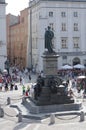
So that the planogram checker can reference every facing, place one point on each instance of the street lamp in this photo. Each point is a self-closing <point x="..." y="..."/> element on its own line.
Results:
<point x="7" y="65"/>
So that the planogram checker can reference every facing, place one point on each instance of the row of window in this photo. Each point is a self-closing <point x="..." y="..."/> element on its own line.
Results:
<point x="63" y="14"/>
<point x="64" y="26"/>
<point x="64" y="42"/>
<point x="65" y="45"/>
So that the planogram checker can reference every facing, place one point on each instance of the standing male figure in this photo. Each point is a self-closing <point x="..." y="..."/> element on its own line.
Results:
<point x="48" y="39"/>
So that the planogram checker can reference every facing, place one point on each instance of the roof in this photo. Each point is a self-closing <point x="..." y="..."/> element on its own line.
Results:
<point x="68" y="0"/>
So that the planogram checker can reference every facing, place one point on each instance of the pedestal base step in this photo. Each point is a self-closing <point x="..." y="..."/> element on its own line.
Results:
<point x="33" y="108"/>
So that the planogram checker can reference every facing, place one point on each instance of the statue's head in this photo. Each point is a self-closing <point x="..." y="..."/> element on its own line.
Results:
<point x="49" y="27"/>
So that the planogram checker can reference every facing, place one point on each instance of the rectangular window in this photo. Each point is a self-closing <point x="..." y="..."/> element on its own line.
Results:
<point x="64" y="42"/>
<point x="50" y="14"/>
<point x="64" y="57"/>
<point x="75" y="26"/>
<point x="63" y="14"/>
<point x="75" y="14"/>
<point x="76" y="42"/>
<point x="63" y="26"/>
<point x="64" y="60"/>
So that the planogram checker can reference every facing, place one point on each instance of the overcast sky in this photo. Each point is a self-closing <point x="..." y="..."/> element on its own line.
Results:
<point x="15" y="6"/>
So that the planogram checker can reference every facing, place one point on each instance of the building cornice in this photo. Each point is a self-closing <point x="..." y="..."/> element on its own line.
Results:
<point x="2" y="3"/>
<point x="79" y="53"/>
<point x="34" y="2"/>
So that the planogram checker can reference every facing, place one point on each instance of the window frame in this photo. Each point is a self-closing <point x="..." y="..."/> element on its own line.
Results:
<point x="75" y="14"/>
<point x="63" y="14"/>
<point x="76" y="27"/>
<point x="51" y="14"/>
<point x="64" y="41"/>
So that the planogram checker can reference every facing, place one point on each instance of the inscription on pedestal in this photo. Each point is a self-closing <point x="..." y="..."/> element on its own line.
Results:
<point x="50" y="64"/>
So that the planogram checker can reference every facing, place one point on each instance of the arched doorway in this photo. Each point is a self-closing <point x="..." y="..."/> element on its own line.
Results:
<point x="76" y="61"/>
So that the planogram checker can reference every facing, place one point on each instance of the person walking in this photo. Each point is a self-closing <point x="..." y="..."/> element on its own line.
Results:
<point x="23" y="89"/>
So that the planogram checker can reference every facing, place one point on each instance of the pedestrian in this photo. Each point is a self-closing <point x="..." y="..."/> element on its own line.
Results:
<point x="6" y="86"/>
<point x="29" y="77"/>
<point x="11" y="86"/>
<point x="0" y="86"/>
<point x="20" y="80"/>
<point x="1" y="81"/>
<point x="23" y="89"/>
<point x="26" y="93"/>
<point x="16" y="87"/>
<point x="28" y="88"/>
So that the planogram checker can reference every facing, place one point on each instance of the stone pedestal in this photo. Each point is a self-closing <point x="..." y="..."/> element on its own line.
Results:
<point x="48" y="98"/>
<point x="47" y="90"/>
<point x="50" y="64"/>
<point x="36" y="109"/>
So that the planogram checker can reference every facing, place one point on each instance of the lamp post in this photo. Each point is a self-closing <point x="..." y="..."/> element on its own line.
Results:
<point x="7" y="65"/>
<point x="31" y="36"/>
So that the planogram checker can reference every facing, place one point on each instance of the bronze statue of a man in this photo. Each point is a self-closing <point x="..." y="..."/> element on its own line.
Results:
<point x="48" y="39"/>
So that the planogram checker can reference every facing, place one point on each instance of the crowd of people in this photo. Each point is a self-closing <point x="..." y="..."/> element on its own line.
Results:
<point x="71" y="73"/>
<point x="8" y="81"/>
<point x="72" y="82"/>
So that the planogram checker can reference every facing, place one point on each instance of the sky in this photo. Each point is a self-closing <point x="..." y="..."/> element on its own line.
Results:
<point x="15" y="6"/>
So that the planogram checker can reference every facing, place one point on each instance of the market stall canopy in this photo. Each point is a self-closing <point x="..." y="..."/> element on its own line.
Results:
<point x="81" y="77"/>
<point x="79" y="66"/>
<point x="4" y="71"/>
<point x="66" y="67"/>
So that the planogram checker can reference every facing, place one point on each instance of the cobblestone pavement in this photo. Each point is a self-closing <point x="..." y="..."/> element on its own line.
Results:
<point x="27" y="124"/>
<point x="10" y="119"/>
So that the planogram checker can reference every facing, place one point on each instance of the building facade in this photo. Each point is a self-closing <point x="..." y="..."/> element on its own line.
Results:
<point x="3" y="43"/>
<point x="17" y="38"/>
<point x="66" y="18"/>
